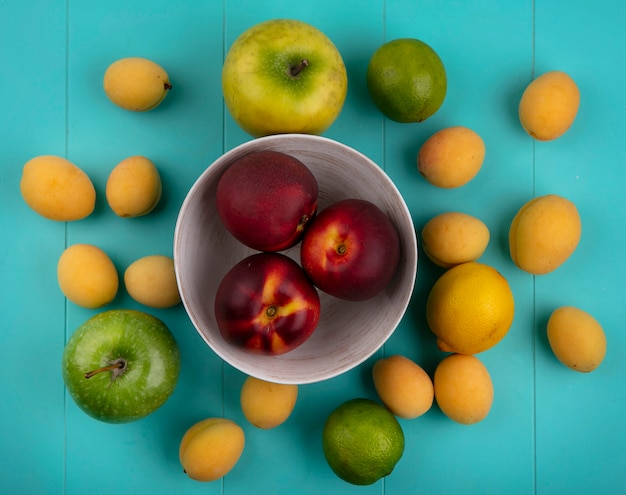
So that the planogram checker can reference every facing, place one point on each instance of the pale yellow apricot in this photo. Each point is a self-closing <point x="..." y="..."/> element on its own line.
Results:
<point x="151" y="281"/>
<point x="451" y="157"/>
<point x="210" y="448"/>
<point x="576" y="338"/>
<point x="452" y="238"/>
<point x="136" y="83"/>
<point x="57" y="189"/>
<point x="87" y="276"/>
<point x="544" y="233"/>
<point x="403" y="386"/>
<point x="266" y="404"/>
<point x="134" y="187"/>
<point x="549" y="105"/>
<point x="463" y="388"/>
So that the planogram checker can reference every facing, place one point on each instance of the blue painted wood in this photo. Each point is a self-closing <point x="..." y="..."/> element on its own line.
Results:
<point x="550" y="431"/>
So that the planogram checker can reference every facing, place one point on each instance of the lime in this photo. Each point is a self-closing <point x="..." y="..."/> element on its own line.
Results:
<point x="406" y="80"/>
<point x="362" y="441"/>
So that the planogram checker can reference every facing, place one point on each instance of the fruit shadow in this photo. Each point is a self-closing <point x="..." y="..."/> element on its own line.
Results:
<point x="542" y="346"/>
<point x="422" y="343"/>
<point x="310" y="414"/>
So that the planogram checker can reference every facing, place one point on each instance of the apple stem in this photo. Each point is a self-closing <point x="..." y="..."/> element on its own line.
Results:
<point x="295" y="70"/>
<point x="167" y="86"/>
<point x="117" y="366"/>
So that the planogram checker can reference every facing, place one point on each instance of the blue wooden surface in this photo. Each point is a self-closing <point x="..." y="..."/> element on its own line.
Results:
<point x="551" y="430"/>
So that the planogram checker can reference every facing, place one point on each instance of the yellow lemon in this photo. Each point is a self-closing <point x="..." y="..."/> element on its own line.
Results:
<point x="470" y="308"/>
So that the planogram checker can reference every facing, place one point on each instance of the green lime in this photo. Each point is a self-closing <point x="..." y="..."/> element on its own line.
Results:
<point x="362" y="441"/>
<point x="406" y="80"/>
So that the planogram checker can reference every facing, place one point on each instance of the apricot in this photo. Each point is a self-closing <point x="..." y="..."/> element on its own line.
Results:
<point x="266" y="404"/>
<point x="151" y="281"/>
<point x="576" y="338"/>
<point x="403" y="386"/>
<point x="452" y="238"/>
<point x="136" y="84"/>
<point x="463" y="388"/>
<point x="549" y="105"/>
<point x="134" y="187"/>
<point x="451" y="157"/>
<point x="544" y="233"/>
<point x="210" y="448"/>
<point x="57" y="189"/>
<point x="87" y="276"/>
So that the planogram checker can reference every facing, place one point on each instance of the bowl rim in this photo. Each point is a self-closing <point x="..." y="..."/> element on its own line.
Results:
<point x="411" y="257"/>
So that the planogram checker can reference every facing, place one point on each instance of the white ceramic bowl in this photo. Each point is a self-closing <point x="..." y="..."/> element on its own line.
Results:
<point x="348" y="332"/>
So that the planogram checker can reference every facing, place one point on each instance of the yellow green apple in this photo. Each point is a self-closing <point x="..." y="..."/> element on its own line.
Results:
<point x="284" y="76"/>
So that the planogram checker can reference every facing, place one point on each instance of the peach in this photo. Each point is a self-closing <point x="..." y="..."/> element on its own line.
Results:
<point x="266" y="304"/>
<point x="266" y="200"/>
<point x="351" y="250"/>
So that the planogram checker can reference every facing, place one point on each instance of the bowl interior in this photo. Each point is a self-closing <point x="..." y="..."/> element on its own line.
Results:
<point x="348" y="332"/>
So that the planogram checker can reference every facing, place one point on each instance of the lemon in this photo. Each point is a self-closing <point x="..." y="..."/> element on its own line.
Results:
<point x="362" y="441"/>
<point x="470" y="308"/>
<point x="407" y="80"/>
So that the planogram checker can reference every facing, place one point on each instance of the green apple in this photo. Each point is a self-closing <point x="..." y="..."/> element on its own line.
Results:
<point x="284" y="76"/>
<point x="121" y="365"/>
